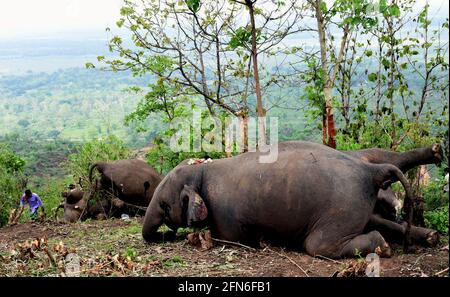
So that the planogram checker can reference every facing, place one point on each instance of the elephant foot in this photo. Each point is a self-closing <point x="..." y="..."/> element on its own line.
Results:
<point x="385" y="251"/>
<point x="424" y="236"/>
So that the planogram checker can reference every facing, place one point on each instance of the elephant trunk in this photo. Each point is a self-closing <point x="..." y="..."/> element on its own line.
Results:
<point x="152" y="221"/>
<point x="389" y="174"/>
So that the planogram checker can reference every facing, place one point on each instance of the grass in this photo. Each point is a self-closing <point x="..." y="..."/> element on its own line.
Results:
<point x="175" y="261"/>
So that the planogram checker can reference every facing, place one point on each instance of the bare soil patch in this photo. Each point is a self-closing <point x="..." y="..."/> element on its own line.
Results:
<point x="116" y="248"/>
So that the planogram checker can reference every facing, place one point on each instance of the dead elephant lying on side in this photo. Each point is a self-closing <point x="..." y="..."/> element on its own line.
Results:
<point x="313" y="197"/>
<point x="77" y="206"/>
<point x="125" y="186"/>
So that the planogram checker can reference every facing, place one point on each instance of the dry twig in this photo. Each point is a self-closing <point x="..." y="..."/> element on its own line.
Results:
<point x="292" y="261"/>
<point x="233" y="243"/>
<point x="329" y="259"/>
<point x="441" y="272"/>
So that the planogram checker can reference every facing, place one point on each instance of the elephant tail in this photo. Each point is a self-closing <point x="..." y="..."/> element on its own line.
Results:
<point x="387" y="175"/>
<point x="91" y="171"/>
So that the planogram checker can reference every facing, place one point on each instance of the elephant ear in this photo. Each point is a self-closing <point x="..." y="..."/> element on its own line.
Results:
<point x="196" y="210"/>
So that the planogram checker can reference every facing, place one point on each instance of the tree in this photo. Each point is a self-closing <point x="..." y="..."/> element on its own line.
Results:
<point x="198" y="50"/>
<point x="351" y="15"/>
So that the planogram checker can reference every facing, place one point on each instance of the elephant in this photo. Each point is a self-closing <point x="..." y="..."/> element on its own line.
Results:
<point x="312" y="197"/>
<point x="132" y="181"/>
<point x="77" y="207"/>
<point x="388" y="204"/>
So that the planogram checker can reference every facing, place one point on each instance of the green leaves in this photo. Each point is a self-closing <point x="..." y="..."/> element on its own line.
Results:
<point x="126" y="10"/>
<point x="9" y="161"/>
<point x="241" y="37"/>
<point x="385" y="62"/>
<point x="11" y="178"/>
<point x="193" y="5"/>
<point x="372" y="77"/>
<point x="323" y="6"/>
<point x="120" y="22"/>
<point x="159" y="64"/>
<point x="392" y="10"/>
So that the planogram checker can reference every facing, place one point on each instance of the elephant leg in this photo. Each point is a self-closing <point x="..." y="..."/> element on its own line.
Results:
<point x="395" y="232"/>
<point x="317" y="243"/>
<point x="366" y="244"/>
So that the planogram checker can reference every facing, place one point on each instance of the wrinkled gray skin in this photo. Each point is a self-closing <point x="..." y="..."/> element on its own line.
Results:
<point x="132" y="181"/>
<point x="394" y="232"/>
<point x="313" y="197"/>
<point x="388" y="205"/>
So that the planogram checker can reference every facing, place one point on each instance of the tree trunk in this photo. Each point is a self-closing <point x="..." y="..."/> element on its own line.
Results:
<point x="260" y="108"/>
<point x="419" y="203"/>
<point x="324" y="125"/>
<point x="329" y="132"/>
<point x="243" y="125"/>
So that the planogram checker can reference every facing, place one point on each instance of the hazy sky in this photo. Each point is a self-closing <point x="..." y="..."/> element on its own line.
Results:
<point x="44" y="18"/>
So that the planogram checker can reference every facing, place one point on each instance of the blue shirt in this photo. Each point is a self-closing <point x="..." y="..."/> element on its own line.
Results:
<point x="34" y="201"/>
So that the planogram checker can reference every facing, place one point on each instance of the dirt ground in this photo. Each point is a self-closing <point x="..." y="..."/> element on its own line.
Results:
<point x="116" y="248"/>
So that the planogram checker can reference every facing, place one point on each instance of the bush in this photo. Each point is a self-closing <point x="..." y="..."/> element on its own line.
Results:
<point x="11" y="182"/>
<point x="110" y="149"/>
<point x="436" y="204"/>
<point x="50" y="194"/>
<point x="437" y="219"/>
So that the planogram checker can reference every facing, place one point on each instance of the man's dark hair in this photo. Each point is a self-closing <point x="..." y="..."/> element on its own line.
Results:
<point x="28" y="192"/>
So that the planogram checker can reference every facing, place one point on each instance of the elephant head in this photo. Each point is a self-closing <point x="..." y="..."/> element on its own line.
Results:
<point x="73" y="196"/>
<point x="72" y="211"/>
<point x="176" y="202"/>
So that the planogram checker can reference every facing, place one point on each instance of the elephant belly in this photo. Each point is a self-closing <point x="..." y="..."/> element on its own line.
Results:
<point x="286" y="201"/>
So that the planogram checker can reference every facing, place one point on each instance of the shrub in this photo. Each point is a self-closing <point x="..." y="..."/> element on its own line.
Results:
<point x="109" y="149"/>
<point x="50" y="194"/>
<point x="11" y="181"/>
<point x="436" y="204"/>
<point x="437" y="219"/>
